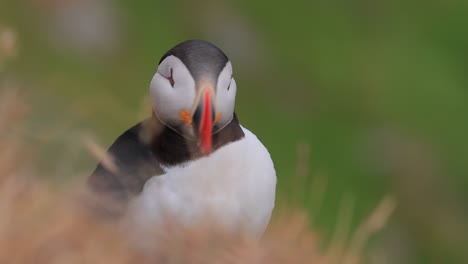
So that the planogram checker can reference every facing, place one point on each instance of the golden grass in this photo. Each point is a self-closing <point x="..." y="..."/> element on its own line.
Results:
<point x="41" y="224"/>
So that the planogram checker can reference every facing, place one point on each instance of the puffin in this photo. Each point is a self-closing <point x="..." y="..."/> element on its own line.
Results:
<point x="191" y="158"/>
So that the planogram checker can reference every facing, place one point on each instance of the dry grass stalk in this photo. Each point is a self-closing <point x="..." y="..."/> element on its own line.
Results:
<point x="8" y="43"/>
<point x="373" y="223"/>
<point x="338" y="241"/>
<point x="100" y="154"/>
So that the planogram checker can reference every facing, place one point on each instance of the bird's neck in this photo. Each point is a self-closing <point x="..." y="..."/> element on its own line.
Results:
<point x="171" y="148"/>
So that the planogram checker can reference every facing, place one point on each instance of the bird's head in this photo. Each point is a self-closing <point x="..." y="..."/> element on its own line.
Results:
<point x="193" y="91"/>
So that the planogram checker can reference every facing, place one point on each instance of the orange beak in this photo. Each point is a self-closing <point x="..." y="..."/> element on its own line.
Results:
<point x="203" y="118"/>
<point x="206" y="124"/>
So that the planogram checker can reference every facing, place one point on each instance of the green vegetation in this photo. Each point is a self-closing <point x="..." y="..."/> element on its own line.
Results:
<point x="373" y="93"/>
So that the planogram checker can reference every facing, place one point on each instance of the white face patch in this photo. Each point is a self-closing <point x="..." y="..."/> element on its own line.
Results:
<point x="173" y="90"/>
<point x="168" y="101"/>
<point x="225" y="96"/>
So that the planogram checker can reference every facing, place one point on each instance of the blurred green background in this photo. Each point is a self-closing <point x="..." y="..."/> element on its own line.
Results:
<point x="354" y="99"/>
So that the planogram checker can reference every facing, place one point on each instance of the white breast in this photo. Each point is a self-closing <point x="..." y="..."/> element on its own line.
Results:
<point x="235" y="186"/>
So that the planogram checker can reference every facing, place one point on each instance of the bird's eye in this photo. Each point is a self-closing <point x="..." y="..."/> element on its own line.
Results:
<point x="171" y="79"/>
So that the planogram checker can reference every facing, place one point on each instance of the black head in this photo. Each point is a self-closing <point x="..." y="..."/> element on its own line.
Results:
<point x="200" y="57"/>
<point x="193" y="91"/>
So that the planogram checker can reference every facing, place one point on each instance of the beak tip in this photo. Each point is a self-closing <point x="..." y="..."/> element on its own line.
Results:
<point x="205" y="147"/>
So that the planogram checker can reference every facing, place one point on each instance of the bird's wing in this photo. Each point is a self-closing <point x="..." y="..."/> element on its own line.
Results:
<point x="134" y="164"/>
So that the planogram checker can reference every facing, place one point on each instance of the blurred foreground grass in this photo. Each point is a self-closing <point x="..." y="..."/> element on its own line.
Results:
<point x="43" y="223"/>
